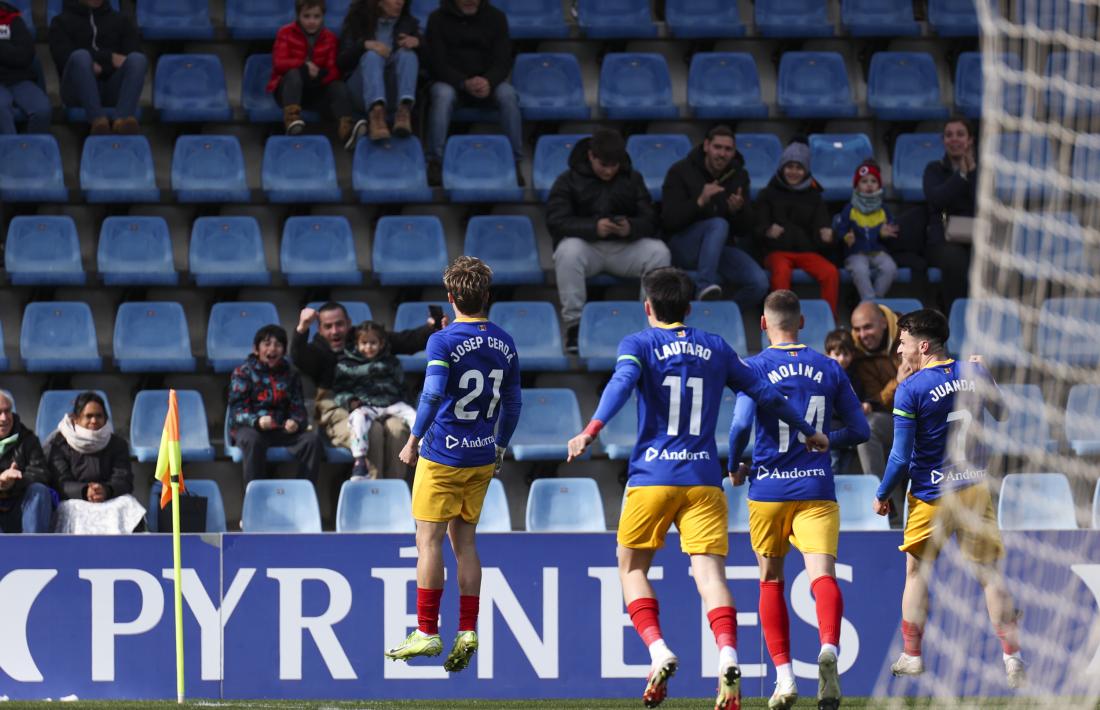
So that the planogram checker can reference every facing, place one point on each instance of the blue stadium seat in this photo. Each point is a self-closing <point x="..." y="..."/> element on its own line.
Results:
<point x="480" y="169"/>
<point x="43" y="251"/>
<point x="336" y="11"/>
<point x="507" y="244"/>
<point x="190" y="87"/>
<point x="1069" y="331"/>
<point x="209" y="169"/>
<point x="230" y="330"/>
<point x="603" y="325"/>
<point x="257" y="103"/>
<point x="725" y="421"/>
<point x="422" y="9"/>
<point x="615" y="19"/>
<point x="879" y="18"/>
<point x="1026" y="428"/>
<point x="275" y="454"/>
<point x="621" y="433"/>
<point x="152" y="336"/>
<point x="550" y="418"/>
<point x="118" y="169"/>
<point x="136" y="251"/>
<point x="703" y="19"/>
<point x="202" y="487"/>
<point x="653" y="154"/>
<point x="413" y="314"/>
<point x="280" y="506"/>
<point x="550" y="87"/>
<point x="30" y="169"/>
<point x="147" y="423"/>
<point x="358" y="311"/>
<point x="495" y="516"/>
<point x="299" y="169"/>
<point x="761" y="152"/>
<point x="381" y="505"/>
<point x="725" y="85"/>
<point x="792" y="18"/>
<point x="409" y="250"/>
<point x="1036" y="501"/>
<point x="1021" y="157"/>
<point x="834" y="158"/>
<point x="901" y="306"/>
<point x="1082" y="414"/>
<point x="552" y="159"/>
<point x="953" y="18"/>
<point x="59" y="336"/>
<point x="227" y="251"/>
<point x="635" y="85"/>
<point x="912" y="154"/>
<point x="174" y="19"/>
<point x="54" y="404"/>
<point x="968" y="85"/>
<point x="814" y="85"/>
<point x="257" y="19"/>
<point x="998" y="318"/>
<point x="721" y="317"/>
<point x="390" y="171"/>
<point x="853" y="494"/>
<point x="565" y="505"/>
<point x="1086" y="159"/>
<point x="529" y="19"/>
<point x="319" y="251"/>
<point x="904" y="86"/>
<point x="819" y="321"/>
<point x="1049" y="245"/>
<point x="1067" y="15"/>
<point x="737" y="505"/>
<point x="1081" y="68"/>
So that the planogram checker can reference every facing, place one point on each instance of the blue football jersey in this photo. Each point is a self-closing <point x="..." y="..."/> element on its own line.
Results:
<point x="482" y="369"/>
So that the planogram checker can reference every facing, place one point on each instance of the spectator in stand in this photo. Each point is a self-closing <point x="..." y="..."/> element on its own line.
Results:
<point x="602" y="219"/>
<point x="318" y="359"/>
<point x="864" y="223"/>
<point x="469" y="56"/>
<point x="266" y="408"/>
<point x="705" y="210"/>
<point x="792" y="225"/>
<point x="96" y="52"/>
<point x="18" y="77"/>
<point x="26" y="504"/>
<point x="94" y="478"/>
<point x="378" y="54"/>
<point x="304" y="73"/>
<point x="950" y="188"/>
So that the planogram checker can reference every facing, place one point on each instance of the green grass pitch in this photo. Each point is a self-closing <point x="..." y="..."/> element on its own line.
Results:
<point x="556" y="704"/>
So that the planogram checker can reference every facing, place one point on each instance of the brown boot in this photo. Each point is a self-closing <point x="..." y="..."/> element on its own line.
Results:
<point x="127" y="126"/>
<point x="292" y="119"/>
<point x="351" y="131"/>
<point x="402" y="121"/>
<point x="101" y="126"/>
<point x="378" y="129"/>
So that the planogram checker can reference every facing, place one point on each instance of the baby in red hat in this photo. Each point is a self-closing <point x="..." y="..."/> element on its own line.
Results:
<point x="864" y="222"/>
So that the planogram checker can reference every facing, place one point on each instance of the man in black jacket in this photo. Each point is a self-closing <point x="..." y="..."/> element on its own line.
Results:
<point x="705" y="208"/>
<point x="469" y="57"/>
<point x="95" y="49"/>
<point x="18" y="78"/>
<point x="25" y="501"/>
<point x="602" y="220"/>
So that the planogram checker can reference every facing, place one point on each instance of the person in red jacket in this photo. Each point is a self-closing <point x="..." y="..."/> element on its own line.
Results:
<point x="304" y="72"/>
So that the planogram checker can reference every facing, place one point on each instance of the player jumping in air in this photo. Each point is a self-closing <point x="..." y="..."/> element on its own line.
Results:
<point x="471" y="382"/>
<point x="675" y="475"/>
<point x="791" y="492"/>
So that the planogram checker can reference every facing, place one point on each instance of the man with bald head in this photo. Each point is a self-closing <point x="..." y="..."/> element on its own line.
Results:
<point x="25" y="501"/>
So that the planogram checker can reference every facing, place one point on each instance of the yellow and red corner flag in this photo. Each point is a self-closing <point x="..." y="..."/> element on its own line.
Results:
<point x="169" y="460"/>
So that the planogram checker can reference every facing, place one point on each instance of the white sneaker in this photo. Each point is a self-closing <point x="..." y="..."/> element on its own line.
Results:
<point x="656" y="683"/>
<point x="784" y="695"/>
<point x="908" y="665"/>
<point x="1017" y="674"/>
<point x="828" y="682"/>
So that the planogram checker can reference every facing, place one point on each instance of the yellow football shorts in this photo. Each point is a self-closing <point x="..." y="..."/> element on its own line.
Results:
<point x="442" y="493"/>
<point x="698" y="511"/>
<point x="813" y="526"/>
<point x="967" y="514"/>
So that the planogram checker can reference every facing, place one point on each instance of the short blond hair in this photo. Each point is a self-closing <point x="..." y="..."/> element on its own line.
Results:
<point x="468" y="279"/>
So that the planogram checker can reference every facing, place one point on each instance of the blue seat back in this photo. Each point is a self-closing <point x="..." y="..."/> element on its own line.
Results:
<point x="413" y="314"/>
<point x="190" y="87"/>
<point x="565" y="505"/>
<point x="903" y="80"/>
<point x="58" y="336"/>
<point x="43" y="249"/>
<point x="381" y="505"/>
<point x="635" y="84"/>
<point x="409" y="249"/>
<point x="54" y="404"/>
<point x="174" y="19"/>
<point x="1069" y="331"/>
<point x="761" y="152"/>
<point x="299" y="164"/>
<point x="727" y="80"/>
<point x="1026" y="428"/>
<point x="549" y="85"/>
<point x="211" y="166"/>
<point x="390" y="170"/>
<point x="615" y="18"/>
<point x="257" y="19"/>
<point x="533" y="326"/>
<point x="1072" y="17"/>
<point x="495" y="516"/>
<point x="603" y="325"/>
<point x="1050" y="244"/>
<point x="953" y="18"/>
<point x="117" y="164"/>
<point x="703" y="18"/>
<point x="997" y="318"/>
<point x="813" y="79"/>
<point x="901" y="306"/>
<point x="319" y="250"/>
<point x="478" y="162"/>
<point x="853" y="494"/>
<point x="152" y="336"/>
<point x="1021" y="157"/>
<point x="231" y="329"/>
<point x="227" y="250"/>
<point x="1077" y="67"/>
<point x="550" y="416"/>
<point x="621" y="433"/>
<point x="255" y="100"/>
<point x="1036" y="501"/>
<point x="133" y="248"/>
<point x="721" y="317"/>
<point x="834" y="158"/>
<point x="653" y="154"/>
<point x="792" y="18"/>
<point x="912" y="154"/>
<point x="737" y="504"/>
<point x="507" y="244"/>
<point x="529" y="19"/>
<point x="147" y="423"/>
<point x="819" y="321"/>
<point x="552" y="159"/>
<point x="30" y="168"/>
<point x="1086" y="158"/>
<point x="890" y="14"/>
<point x="280" y="506"/>
<point x="1082" y="415"/>
<point x="202" y="487"/>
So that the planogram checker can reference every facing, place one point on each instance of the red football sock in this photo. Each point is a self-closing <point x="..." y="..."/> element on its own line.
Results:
<point x="1009" y="634"/>
<point x="427" y="610"/>
<point x="723" y="622"/>
<point x="468" y="606"/>
<point x="911" y="636"/>
<point x="830" y="608"/>
<point x="777" y="626"/>
<point x="643" y="612"/>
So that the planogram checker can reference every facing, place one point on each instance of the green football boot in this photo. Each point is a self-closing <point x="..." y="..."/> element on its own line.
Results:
<point x="463" y="649"/>
<point x="416" y="644"/>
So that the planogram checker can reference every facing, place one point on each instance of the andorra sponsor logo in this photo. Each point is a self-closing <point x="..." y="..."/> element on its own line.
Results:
<point x="765" y="472"/>
<point x="652" y="454"/>
<point x="465" y="443"/>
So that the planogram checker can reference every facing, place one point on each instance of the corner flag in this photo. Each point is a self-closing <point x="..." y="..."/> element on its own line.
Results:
<point x="169" y="461"/>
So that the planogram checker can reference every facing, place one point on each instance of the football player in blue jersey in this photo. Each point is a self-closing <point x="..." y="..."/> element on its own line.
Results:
<point x="791" y="494"/>
<point x="936" y="401"/>
<point x="468" y="410"/>
<point x="674" y="472"/>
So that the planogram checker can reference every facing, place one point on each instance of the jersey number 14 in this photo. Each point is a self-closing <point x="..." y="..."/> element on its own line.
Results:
<point x="815" y="417"/>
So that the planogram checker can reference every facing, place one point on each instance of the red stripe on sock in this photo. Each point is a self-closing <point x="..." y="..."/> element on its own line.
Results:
<point x="468" y="606"/>
<point x="777" y="626"/>
<point x="1009" y="634"/>
<point x="830" y="608"/>
<point x="911" y="635"/>
<point x="643" y="612"/>
<point x="723" y="622"/>
<point x="427" y="609"/>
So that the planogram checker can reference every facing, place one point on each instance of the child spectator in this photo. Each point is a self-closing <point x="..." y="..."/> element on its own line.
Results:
<point x="840" y="346"/>
<point x="862" y="223"/>
<point x="370" y="384"/>
<point x="304" y="73"/>
<point x="792" y="225"/>
<point x="18" y="78"/>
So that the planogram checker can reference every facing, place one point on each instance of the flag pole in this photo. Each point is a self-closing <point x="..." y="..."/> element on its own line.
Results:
<point x="178" y="585"/>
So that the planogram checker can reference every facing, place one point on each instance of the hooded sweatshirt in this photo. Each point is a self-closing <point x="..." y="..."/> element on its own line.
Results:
<point x="799" y="209"/>
<point x="877" y="371"/>
<point x="101" y="31"/>
<point x="16" y="47"/>
<point x="459" y="46"/>
<point x="684" y="183"/>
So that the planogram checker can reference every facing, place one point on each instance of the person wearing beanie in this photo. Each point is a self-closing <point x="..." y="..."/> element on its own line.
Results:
<point x="863" y="222"/>
<point x="792" y="225"/>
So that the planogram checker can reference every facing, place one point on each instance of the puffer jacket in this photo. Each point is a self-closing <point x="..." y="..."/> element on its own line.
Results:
<point x="377" y="383"/>
<point x="109" y="466"/>
<point x="801" y="214"/>
<point x="684" y="183"/>
<point x="255" y="391"/>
